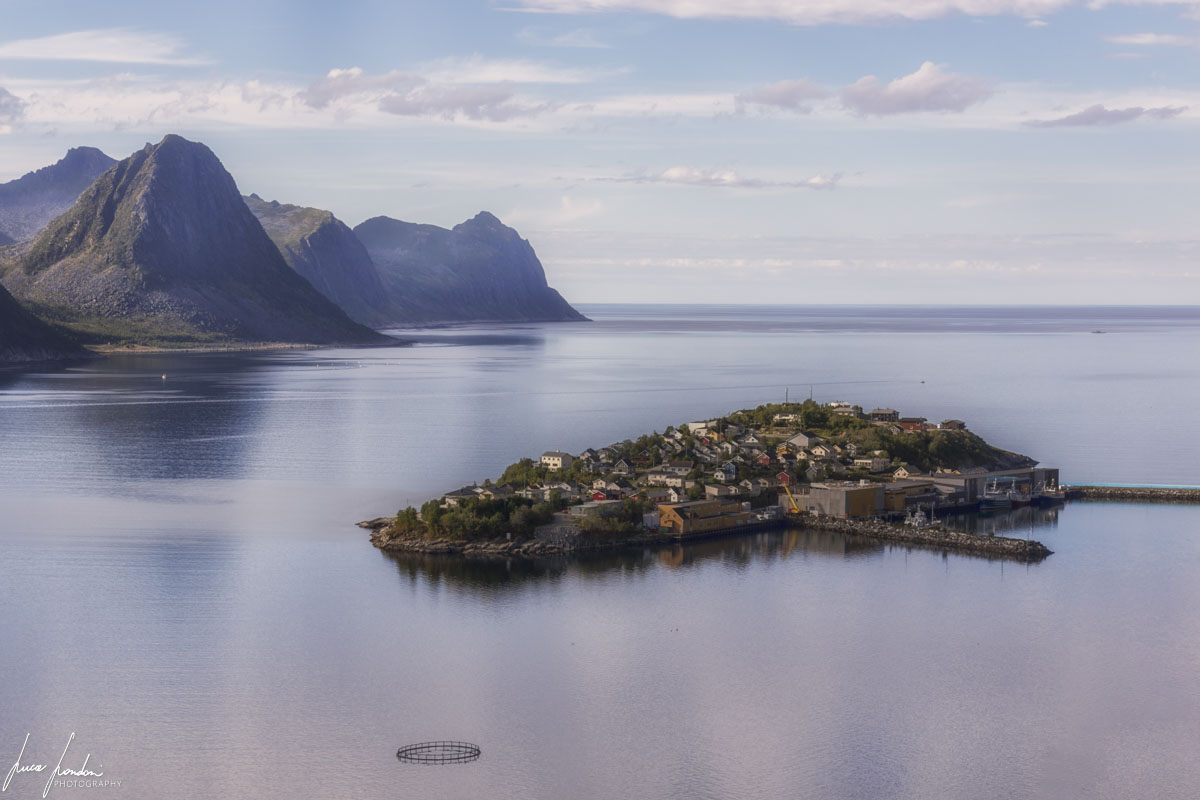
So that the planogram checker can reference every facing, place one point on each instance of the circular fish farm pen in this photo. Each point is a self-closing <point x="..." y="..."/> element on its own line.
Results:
<point x="438" y="753"/>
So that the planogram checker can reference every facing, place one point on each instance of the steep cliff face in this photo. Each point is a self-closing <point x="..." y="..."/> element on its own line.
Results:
<point x="163" y="248"/>
<point x="322" y="249"/>
<point x="24" y="337"/>
<point x="28" y="203"/>
<point x="479" y="270"/>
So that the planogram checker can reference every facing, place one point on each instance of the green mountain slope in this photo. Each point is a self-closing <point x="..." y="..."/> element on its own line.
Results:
<point x="24" y="337"/>
<point x="322" y="249"/>
<point x="162" y="249"/>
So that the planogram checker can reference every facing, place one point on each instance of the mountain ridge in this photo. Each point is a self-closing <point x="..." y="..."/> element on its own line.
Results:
<point x="161" y="247"/>
<point x="325" y="251"/>
<point x="479" y="270"/>
<point x="30" y="202"/>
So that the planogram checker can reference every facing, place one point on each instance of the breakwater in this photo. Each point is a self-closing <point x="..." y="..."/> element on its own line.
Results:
<point x="1018" y="549"/>
<point x="1157" y="494"/>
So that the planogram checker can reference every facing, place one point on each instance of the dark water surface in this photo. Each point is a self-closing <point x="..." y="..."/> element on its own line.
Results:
<point x="182" y="585"/>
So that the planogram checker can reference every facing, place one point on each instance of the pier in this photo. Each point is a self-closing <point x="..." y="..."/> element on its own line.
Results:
<point x="1146" y="494"/>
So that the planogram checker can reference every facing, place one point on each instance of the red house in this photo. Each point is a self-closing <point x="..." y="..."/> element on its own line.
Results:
<point x="784" y="478"/>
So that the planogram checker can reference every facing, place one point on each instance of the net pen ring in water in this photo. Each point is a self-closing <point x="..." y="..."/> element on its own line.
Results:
<point x="441" y="752"/>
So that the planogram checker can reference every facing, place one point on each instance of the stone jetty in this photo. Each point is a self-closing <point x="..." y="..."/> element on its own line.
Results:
<point x="1158" y="494"/>
<point x="1019" y="549"/>
<point x="1134" y="493"/>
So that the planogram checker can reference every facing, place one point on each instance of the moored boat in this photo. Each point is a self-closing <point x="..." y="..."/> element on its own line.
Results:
<point x="1048" y="494"/>
<point x="995" y="496"/>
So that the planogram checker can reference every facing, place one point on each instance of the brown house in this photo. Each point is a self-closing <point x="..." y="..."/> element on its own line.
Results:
<point x="702" y="516"/>
<point x="845" y="499"/>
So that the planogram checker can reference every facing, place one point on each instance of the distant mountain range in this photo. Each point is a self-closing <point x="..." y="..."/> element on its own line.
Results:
<point x="28" y="203"/>
<point x="321" y="248"/>
<point x="162" y="249"/>
<point x="479" y="270"/>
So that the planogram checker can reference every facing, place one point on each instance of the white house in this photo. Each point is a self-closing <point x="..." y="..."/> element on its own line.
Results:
<point x="555" y="460"/>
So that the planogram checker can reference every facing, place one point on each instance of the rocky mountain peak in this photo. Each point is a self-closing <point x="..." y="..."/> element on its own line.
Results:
<point x="164" y="241"/>
<point x="28" y="203"/>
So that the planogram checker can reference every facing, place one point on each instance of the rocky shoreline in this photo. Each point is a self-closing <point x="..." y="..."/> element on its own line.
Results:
<point x="385" y="539"/>
<point x="1020" y="549"/>
<point x="1158" y="494"/>
<point x="938" y="538"/>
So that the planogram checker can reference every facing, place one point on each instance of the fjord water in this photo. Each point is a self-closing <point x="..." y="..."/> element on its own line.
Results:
<point x="184" y="589"/>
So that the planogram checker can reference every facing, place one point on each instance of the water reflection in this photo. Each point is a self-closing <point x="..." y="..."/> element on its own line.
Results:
<point x="497" y="574"/>
<point x="1017" y="523"/>
<point x="492" y="575"/>
<point x="472" y="337"/>
<point x="146" y="417"/>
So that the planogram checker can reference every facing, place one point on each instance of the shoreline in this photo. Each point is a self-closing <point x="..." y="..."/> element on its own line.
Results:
<point x="235" y="347"/>
<point x="1023" y="550"/>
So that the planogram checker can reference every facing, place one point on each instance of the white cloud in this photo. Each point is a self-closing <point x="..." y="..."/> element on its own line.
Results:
<point x="567" y="211"/>
<point x="820" y="12"/>
<point x="792" y="95"/>
<point x="927" y="89"/>
<point x="405" y="94"/>
<point x="116" y="45"/>
<point x="354" y="99"/>
<point x="477" y="69"/>
<point x="1152" y="40"/>
<point x="725" y="178"/>
<point x="341" y="83"/>
<point x="1098" y="115"/>
<point x="1036" y="23"/>
<point x="493" y="103"/>
<point x="12" y="108"/>
<point x="578" y="38"/>
<point x="1072" y="268"/>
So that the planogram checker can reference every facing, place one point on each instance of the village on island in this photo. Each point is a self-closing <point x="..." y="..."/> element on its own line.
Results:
<point x="775" y="464"/>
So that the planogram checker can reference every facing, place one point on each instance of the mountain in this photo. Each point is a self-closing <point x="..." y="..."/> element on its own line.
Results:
<point x="31" y="201"/>
<point x="162" y="248"/>
<point x="326" y="252"/>
<point x="479" y="270"/>
<point x="24" y="337"/>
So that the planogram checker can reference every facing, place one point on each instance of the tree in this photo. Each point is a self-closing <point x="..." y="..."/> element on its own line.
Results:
<point x="407" y="521"/>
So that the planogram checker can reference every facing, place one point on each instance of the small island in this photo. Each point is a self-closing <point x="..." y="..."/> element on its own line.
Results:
<point x="832" y="466"/>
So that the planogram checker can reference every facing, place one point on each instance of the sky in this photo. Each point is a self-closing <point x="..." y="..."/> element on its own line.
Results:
<point x="677" y="151"/>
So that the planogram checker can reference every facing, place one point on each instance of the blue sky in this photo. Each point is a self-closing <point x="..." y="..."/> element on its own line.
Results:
<point x="830" y="151"/>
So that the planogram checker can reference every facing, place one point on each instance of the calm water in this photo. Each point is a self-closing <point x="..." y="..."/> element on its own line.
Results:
<point x="184" y="589"/>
